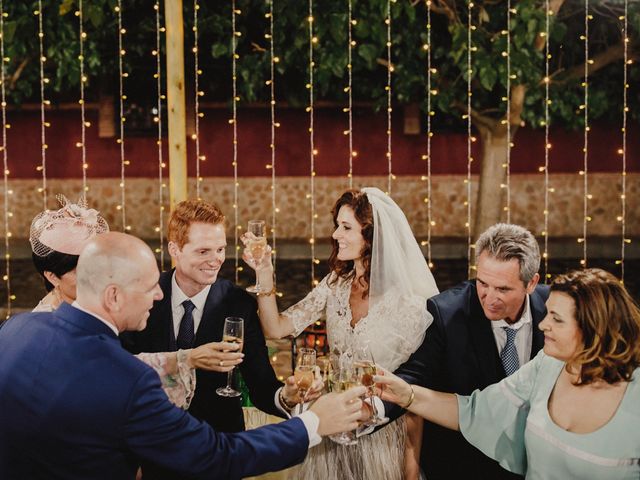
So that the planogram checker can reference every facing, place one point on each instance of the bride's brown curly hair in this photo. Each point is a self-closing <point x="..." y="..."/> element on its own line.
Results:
<point x="363" y="212"/>
<point x="610" y="323"/>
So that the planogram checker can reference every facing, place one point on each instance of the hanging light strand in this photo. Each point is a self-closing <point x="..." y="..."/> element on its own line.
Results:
<point x="349" y="89"/>
<point x="43" y="122"/>
<point x="507" y="120"/>
<point x="430" y="113"/>
<point x="623" y="152"/>
<point x="389" y="96"/>
<point x="158" y="120"/>
<point x="234" y="122"/>
<point x="5" y="163"/>
<point x="122" y="97"/>
<point x="272" y="146"/>
<point x="585" y="109"/>
<point x="313" y="152"/>
<point x="547" y="145"/>
<point x="83" y="122"/>
<point x="469" y="138"/>
<point x="196" y="98"/>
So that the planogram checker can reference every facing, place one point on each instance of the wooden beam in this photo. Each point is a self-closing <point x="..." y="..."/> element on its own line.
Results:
<point x="177" y="140"/>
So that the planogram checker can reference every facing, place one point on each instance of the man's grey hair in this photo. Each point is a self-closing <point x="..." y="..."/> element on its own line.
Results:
<point x="504" y="241"/>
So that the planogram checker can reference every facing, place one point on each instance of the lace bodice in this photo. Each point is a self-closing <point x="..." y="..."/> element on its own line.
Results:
<point x="394" y="327"/>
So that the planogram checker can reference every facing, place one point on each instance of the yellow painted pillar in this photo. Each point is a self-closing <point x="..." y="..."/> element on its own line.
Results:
<point x="177" y="139"/>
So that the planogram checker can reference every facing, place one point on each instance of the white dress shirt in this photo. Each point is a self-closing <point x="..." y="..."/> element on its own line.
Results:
<point x="523" y="338"/>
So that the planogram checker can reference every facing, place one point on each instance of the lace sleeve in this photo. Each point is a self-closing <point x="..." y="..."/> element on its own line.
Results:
<point x="396" y="327"/>
<point x="179" y="386"/>
<point x="310" y="308"/>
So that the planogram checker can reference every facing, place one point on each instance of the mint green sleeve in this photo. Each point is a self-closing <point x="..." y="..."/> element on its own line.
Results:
<point x="494" y="419"/>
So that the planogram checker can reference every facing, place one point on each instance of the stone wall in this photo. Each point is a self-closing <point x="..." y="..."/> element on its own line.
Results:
<point x="293" y="218"/>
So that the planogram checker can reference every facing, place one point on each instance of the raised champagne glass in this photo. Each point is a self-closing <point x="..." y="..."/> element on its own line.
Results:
<point x="257" y="246"/>
<point x="304" y="373"/>
<point x="233" y="332"/>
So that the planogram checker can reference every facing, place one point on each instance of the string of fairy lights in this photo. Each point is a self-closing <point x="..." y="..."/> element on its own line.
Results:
<point x="158" y="120"/>
<point x="623" y="151"/>
<point x="273" y="59"/>
<point x="467" y="116"/>
<point x="196" y="97"/>
<point x="427" y="157"/>
<point x="507" y="119"/>
<point x="547" y="144"/>
<point x="387" y="21"/>
<point x="313" y="40"/>
<point x="235" y="34"/>
<point x="5" y="164"/>
<point x="122" y="207"/>
<point x="82" y="145"/>
<point x="44" y="124"/>
<point x="349" y="88"/>
<point x="585" y="149"/>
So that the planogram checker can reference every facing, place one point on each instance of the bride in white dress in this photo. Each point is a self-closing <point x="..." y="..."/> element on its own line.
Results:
<point x="375" y="294"/>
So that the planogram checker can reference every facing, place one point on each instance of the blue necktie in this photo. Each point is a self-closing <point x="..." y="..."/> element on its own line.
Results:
<point x="185" y="333"/>
<point x="509" y="354"/>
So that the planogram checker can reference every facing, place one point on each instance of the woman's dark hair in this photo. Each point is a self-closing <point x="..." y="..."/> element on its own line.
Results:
<point x="609" y="320"/>
<point x="358" y="202"/>
<point x="56" y="263"/>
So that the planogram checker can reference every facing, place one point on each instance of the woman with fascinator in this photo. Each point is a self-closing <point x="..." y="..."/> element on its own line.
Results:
<point x="375" y="295"/>
<point x="57" y="237"/>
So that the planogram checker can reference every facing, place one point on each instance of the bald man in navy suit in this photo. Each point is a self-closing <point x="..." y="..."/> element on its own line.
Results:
<point x="75" y="405"/>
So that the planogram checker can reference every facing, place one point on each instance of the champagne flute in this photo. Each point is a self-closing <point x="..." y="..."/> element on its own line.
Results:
<point x="341" y="381"/>
<point x="233" y="332"/>
<point x="257" y="246"/>
<point x="365" y="366"/>
<point x="305" y="372"/>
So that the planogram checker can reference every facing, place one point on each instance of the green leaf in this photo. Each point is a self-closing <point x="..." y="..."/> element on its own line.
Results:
<point x="369" y="53"/>
<point x="219" y="50"/>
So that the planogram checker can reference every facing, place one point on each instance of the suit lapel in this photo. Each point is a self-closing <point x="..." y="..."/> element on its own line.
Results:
<point x="484" y="342"/>
<point x="212" y="322"/>
<point x="163" y="315"/>
<point x="538" y="312"/>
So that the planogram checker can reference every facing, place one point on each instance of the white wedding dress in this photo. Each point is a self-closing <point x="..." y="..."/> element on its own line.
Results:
<point x="394" y="328"/>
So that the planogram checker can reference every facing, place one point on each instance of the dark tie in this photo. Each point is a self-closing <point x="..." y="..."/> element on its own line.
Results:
<point x="185" y="332"/>
<point x="509" y="354"/>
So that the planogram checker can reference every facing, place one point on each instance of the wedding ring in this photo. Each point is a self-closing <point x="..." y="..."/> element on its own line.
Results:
<point x="222" y="363"/>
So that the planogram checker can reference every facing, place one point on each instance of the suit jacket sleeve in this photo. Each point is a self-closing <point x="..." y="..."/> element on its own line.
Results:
<point x="424" y="367"/>
<point x="256" y="369"/>
<point x="157" y="431"/>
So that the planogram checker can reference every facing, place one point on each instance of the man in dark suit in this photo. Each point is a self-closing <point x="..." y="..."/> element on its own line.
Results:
<point x="197" y="243"/>
<point x="482" y="330"/>
<point x="75" y="405"/>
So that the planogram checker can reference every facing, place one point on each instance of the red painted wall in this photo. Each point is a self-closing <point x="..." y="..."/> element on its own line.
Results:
<point x="292" y="147"/>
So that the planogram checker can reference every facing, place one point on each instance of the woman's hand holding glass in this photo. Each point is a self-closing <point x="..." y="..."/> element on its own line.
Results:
<point x="257" y="254"/>
<point x="293" y="395"/>
<point x="216" y="356"/>
<point x="305" y="373"/>
<point x="392" y="388"/>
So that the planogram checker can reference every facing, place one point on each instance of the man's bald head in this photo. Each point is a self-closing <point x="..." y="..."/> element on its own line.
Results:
<point x="112" y="258"/>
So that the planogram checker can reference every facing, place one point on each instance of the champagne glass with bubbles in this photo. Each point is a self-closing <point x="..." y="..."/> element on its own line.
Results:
<point x="304" y="373"/>
<point x="257" y="246"/>
<point x="365" y="367"/>
<point x="233" y="332"/>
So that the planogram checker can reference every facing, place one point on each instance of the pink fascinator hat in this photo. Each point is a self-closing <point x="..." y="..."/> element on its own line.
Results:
<point x="66" y="230"/>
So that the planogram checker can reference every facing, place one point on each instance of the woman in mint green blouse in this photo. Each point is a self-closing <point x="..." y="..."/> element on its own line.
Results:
<point x="571" y="412"/>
